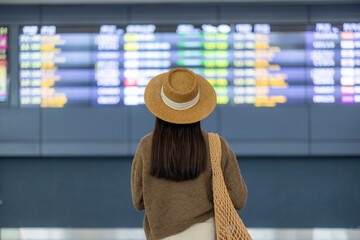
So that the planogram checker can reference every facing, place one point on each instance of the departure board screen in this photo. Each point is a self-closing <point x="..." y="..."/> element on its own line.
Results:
<point x="261" y="65"/>
<point x="334" y="63"/>
<point x="3" y="63"/>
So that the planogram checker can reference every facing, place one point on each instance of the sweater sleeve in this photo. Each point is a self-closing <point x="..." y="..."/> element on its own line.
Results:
<point x="136" y="180"/>
<point x="234" y="182"/>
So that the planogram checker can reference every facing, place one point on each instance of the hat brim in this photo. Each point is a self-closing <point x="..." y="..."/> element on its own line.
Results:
<point x="199" y="111"/>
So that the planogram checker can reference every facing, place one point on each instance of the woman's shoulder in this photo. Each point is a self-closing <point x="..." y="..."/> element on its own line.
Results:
<point x="144" y="144"/>
<point x="146" y="140"/>
<point x="206" y="135"/>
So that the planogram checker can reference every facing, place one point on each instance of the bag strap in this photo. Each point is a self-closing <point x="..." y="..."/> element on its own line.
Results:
<point x="215" y="151"/>
<point x="229" y="225"/>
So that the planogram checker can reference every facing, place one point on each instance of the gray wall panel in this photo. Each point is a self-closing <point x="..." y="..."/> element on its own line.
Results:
<point x="246" y="148"/>
<point x="283" y="192"/>
<point x="85" y="149"/>
<point x="87" y="124"/>
<point x="248" y="123"/>
<point x="87" y="188"/>
<point x="263" y="13"/>
<point x="168" y="14"/>
<point x="335" y="148"/>
<point x="142" y="122"/>
<point x="20" y="14"/>
<point x="335" y="13"/>
<point x="25" y="149"/>
<point x="211" y="123"/>
<point x="20" y="124"/>
<point x="335" y="122"/>
<point x="85" y="14"/>
<point x="27" y="187"/>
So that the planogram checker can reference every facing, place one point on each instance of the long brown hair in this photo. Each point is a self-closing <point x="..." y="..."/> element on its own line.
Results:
<point x="178" y="151"/>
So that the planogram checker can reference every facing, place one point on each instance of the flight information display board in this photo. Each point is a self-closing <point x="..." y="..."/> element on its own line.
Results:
<point x="334" y="63"/>
<point x="3" y="63"/>
<point x="258" y="65"/>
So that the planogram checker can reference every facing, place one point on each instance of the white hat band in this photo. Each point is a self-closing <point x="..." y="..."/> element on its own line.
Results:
<point x="179" y="106"/>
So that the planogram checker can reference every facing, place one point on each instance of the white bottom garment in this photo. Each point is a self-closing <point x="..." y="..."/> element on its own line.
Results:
<point x="198" y="231"/>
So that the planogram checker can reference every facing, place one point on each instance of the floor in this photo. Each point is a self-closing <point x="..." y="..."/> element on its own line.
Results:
<point x="138" y="234"/>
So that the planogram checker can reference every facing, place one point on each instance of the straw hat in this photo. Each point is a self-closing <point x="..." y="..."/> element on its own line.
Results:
<point x="180" y="96"/>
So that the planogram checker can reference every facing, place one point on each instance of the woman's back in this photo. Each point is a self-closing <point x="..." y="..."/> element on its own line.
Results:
<point x="171" y="206"/>
<point x="171" y="174"/>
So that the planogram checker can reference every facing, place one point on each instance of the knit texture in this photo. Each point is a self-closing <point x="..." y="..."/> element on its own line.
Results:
<point x="229" y="225"/>
<point x="171" y="207"/>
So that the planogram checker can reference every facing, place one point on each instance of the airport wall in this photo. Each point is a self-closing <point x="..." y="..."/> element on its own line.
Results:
<point x="71" y="167"/>
<point x="283" y="192"/>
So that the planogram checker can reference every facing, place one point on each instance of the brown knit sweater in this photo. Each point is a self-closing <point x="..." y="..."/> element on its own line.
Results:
<point x="170" y="206"/>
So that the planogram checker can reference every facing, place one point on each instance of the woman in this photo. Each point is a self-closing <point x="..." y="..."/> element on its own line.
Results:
<point x="171" y="172"/>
